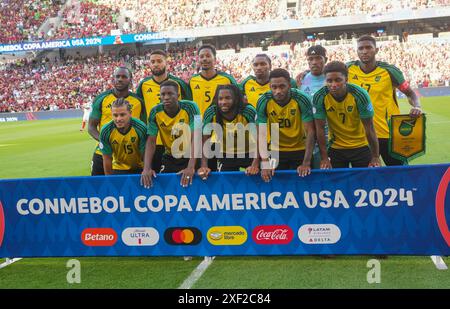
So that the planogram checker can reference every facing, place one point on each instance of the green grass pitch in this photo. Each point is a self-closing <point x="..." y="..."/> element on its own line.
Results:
<point x="57" y="148"/>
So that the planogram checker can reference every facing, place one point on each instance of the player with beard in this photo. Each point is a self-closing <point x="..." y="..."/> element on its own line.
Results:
<point x="101" y="111"/>
<point x="149" y="91"/>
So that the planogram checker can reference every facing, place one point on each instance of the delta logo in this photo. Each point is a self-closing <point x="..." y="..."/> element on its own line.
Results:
<point x="183" y="236"/>
<point x="319" y="234"/>
<point x="140" y="236"/>
<point x="99" y="237"/>
<point x="272" y="235"/>
<point x="227" y="235"/>
<point x="2" y="224"/>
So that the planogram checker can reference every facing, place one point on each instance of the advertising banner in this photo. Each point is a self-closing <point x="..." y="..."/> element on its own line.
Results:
<point x="390" y="210"/>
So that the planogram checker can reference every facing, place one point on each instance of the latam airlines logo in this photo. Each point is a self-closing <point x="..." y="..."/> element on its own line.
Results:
<point x="272" y="235"/>
<point x="319" y="234"/>
<point x="183" y="236"/>
<point x="99" y="237"/>
<point x="140" y="236"/>
<point x="227" y="235"/>
<point x="2" y="224"/>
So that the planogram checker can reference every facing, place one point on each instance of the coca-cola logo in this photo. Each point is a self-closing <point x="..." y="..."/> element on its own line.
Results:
<point x="272" y="235"/>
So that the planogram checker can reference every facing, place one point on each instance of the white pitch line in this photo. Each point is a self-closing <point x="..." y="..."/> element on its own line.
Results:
<point x="9" y="262"/>
<point x="439" y="262"/>
<point x="197" y="273"/>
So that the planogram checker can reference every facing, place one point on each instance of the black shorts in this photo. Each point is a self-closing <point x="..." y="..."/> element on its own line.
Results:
<point x="170" y="164"/>
<point x="357" y="157"/>
<point x="157" y="157"/>
<point x="97" y="165"/>
<point x="384" y="152"/>
<point x="290" y="160"/>
<point x="233" y="164"/>
<point x="127" y="172"/>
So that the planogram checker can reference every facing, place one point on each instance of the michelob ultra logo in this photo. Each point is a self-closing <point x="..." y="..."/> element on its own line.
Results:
<point x="183" y="236"/>
<point x="2" y="224"/>
<point x="227" y="235"/>
<point x="140" y="236"/>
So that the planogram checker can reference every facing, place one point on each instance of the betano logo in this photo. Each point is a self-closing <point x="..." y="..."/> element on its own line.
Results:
<point x="99" y="237"/>
<point x="2" y="224"/>
<point x="183" y="236"/>
<point x="140" y="236"/>
<point x="227" y="235"/>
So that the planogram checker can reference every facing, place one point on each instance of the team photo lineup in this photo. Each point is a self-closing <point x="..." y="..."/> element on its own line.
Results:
<point x="218" y="144"/>
<point x="357" y="119"/>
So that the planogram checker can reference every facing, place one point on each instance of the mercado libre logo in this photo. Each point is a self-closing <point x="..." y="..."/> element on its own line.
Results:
<point x="440" y="206"/>
<point x="2" y="224"/>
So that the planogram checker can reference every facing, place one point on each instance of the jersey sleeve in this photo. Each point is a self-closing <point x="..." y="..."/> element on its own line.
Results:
<point x="363" y="102"/>
<point x="141" y="131"/>
<point x="193" y="112"/>
<point x="96" y="112"/>
<point x="208" y="117"/>
<point x="293" y="83"/>
<point x="139" y="90"/>
<point x="152" y="127"/>
<point x="186" y="93"/>
<point x="396" y="75"/>
<point x="261" y="108"/>
<point x="305" y="105"/>
<point x="105" y="145"/>
<point x="249" y="113"/>
<point x="318" y="103"/>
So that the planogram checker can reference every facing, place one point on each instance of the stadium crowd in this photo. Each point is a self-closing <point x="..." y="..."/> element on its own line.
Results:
<point x="84" y="18"/>
<point x="70" y="83"/>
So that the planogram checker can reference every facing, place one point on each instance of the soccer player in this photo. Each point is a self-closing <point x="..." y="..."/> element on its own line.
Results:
<point x="380" y="79"/>
<point x="254" y="86"/>
<point x="233" y="116"/>
<point x="174" y="120"/>
<point x="203" y="85"/>
<point x="291" y="110"/>
<point x="122" y="141"/>
<point x="349" y="112"/>
<point x="314" y="79"/>
<point x="101" y="111"/>
<point x="149" y="91"/>
<point x="87" y="107"/>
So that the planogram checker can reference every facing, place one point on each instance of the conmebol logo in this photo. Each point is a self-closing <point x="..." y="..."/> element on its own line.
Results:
<point x="2" y="224"/>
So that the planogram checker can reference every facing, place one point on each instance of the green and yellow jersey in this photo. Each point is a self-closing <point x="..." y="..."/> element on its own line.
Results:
<point x="126" y="149"/>
<point x="101" y="109"/>
<point x="380" y="84"/>
<point x="346" y="130"/>
<point x="172" y="128"/>
<point x="253" y="90"/>
<point x="290" y="118"/>
<point x="231" y="128"/>
<point x="149" y="91"/>
<point x="203" y="90"/>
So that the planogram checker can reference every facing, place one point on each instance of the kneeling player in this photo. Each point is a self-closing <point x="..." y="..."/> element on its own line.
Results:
<point x="348" y="110"/>
<point x="122" y="141"/>
<point x="235" y="122"/>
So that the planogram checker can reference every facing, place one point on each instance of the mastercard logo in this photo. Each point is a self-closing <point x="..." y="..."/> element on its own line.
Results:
<point x="183" y="236"/>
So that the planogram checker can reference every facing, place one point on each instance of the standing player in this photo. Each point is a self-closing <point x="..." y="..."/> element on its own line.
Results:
<point x="174" y="121"/>
<point x="233" y="116"/>
<point x="381" y="79"/>
<point x="348" y="110"/>
<point x="101" y="111"/>
<point x="203" y="85"/>
<point x="149" y="91"/>
<point x="254" y="86"/>
<point x="87" y="107"/>
<point x="291" y="110"/>
<point x="122" y="141"/>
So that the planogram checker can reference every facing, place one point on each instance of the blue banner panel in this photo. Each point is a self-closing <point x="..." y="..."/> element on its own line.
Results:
<point x="389" y="210"/>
